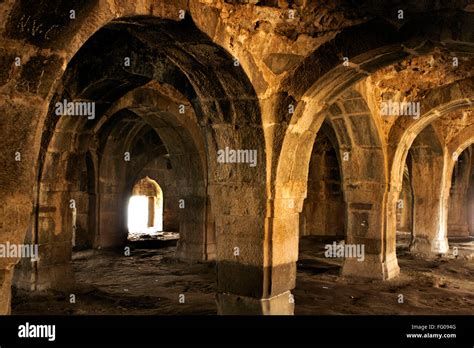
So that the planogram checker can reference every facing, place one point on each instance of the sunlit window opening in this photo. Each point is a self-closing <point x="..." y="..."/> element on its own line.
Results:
<point x="145" y="208"/>
<point x="138" y="214"/>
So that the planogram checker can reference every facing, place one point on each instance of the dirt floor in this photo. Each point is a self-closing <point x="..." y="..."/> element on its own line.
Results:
<point x="150" y="281"/>
<point x="442" y="286"/>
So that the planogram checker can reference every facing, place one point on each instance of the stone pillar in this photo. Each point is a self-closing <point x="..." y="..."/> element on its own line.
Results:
<point x="458" y="225"/>
<point x="195" y="221"/>
<point x="192" y="244"/>
<point x="429" y="225"/>
<point x="210" y="243"/>
<point x="313" y="216"/>
<point x="404" y="208"/>
<point x="366" y="203"/>
<point x="323" y="195"/>
<point x="15" y="218"/>
<point x="54" y="235"/>
<point x="256" y="257"/>
<point x="242" y="305"/>
<point x="470" y="205"/>
<point x="112" y="227"/>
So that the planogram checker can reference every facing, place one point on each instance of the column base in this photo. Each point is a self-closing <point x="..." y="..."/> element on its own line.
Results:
<point x="110" y="242"/>
<point x="372" y="267"/>
<point x="424" y="247"/>
<point x="194" y="252"/>
<point x="58" y="277"/>
<point x="228" y="304"/>
<point x="24" y="275"/>
<point x="458" y="231"/>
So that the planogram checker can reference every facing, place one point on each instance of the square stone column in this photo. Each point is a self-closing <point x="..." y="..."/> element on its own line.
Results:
<point x="256" y="256"/>
<point x="430" y="204"/>
<point x="366" y="208"/>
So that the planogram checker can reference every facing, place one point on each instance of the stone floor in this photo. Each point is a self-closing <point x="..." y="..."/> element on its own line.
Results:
<point x="151" y="280"/>
<point x="441" y="286"/>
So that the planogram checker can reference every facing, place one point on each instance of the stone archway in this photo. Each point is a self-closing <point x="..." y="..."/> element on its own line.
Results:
<point x="312" y="88"/>
<point x="438" y="102"/>
<point x="226" y="116"/>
